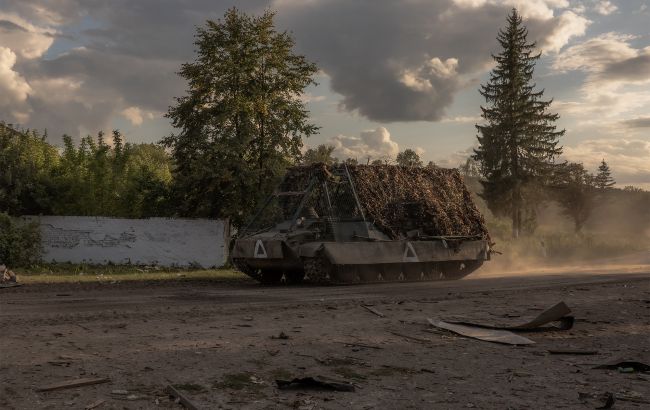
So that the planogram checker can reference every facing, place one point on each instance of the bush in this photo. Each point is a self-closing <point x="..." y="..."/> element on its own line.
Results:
<point x="20" y="242"/>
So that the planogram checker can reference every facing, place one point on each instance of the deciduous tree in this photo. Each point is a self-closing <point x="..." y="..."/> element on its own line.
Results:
<point x="242" y="120"/>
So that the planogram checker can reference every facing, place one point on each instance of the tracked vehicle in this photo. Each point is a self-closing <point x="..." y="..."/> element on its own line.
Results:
<point x="347" y="224"/>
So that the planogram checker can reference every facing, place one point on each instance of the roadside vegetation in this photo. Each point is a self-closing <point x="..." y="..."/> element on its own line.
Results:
<point x="78" y="273"/>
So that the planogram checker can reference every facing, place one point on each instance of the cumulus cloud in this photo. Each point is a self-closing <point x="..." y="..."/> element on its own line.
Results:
<point x="389" y="60"/>
<point x="24" y="38"/>
<point x="401" y="61"/>
<point x="617" y="74"/>
<point x="627" y="158"/>
<point x="136" y="115"/>
<point x="605" y="7"/>
<point x="14" y="90"/>
<point x="373" y="144"/>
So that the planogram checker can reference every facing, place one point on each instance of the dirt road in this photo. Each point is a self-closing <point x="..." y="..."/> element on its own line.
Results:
<point x="224" y="344"/>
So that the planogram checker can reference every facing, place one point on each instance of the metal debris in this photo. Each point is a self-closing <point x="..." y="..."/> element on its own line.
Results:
<point x="73" y="383"/>
<point x="556" y="313"/>
<point x="312" y="383"/>
<point x="373" y="310"/>
<point x="625" y="364"/>
<point x="184" y="401"/>
<point x="481" y="333"/>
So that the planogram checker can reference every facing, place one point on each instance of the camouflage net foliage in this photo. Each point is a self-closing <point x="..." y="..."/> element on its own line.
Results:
<point x="398" y="199"/>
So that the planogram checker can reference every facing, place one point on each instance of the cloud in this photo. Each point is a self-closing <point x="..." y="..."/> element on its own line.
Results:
<point x="136" y="116"/>
<point x="373" y="144"/>
<point x="605" y="7"/>
<point x="616" y="80"/>
<point x="400" y="61"/>
<point x="24" y="38"/>
<point x="627" y="158"/>
<point x="14" y="89"/>
<point x="389" y="60"/>
<point x="641" y="122"/>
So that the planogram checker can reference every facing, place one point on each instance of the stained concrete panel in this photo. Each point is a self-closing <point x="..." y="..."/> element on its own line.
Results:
<point x="154" y="241"/>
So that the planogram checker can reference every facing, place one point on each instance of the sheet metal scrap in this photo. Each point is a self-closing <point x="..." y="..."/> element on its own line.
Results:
<point x="504" y="333"/>
<point x="558" y="313"/>
<point x="481" y="333"/>
<point x="314" y="384"/>
<point x="625" y="364"/>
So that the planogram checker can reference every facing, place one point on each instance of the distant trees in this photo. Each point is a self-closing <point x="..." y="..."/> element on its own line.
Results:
<point x="604" y="178"/>
<point x="95" y="177"/>
<point x="242" y="120"/>
<point x="320" y="154"/>
<point x="518" y="141"/>
<point x="575" y="191"/>
<point x="408" y="158"/>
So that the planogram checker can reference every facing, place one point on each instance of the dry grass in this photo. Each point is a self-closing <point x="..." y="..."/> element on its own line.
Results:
<point x="70" y="273"/>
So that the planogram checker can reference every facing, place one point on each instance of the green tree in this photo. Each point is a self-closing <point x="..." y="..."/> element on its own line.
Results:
<point x="242" y="120"/>
<point x="604" y="178"/>
<point x="408" y="158"/>
<point x="518" y="141"/>
<point x="320" y="154"/>
<point x="576" y="193"/>
<point x="27" y="162"/>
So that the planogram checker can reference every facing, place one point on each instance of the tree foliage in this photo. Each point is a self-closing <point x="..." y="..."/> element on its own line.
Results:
<point x="575" y="191"/>
<point x="242" y="120"/>
<point x="320" y="154"/>
<point x="27" y="163"/>
<point x="604" y="178"/>
<point x="518" y="141"/>
<point x="94" y="177"/>
<point x="409" y="158"/>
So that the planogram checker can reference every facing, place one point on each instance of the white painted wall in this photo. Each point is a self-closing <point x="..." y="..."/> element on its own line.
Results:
<point x="154" y="241"/>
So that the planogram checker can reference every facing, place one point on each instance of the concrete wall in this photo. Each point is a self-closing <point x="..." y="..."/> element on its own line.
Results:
<point x="155" y="241"/>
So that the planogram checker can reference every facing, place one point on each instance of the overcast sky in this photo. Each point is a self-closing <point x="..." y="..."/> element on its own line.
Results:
<point x="395" y="74"/>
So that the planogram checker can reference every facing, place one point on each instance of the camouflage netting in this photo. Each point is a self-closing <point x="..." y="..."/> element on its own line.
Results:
<point x="397" y="199"/>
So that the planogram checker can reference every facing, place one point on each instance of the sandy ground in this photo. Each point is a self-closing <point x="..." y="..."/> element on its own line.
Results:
<point x="218" y="342"/>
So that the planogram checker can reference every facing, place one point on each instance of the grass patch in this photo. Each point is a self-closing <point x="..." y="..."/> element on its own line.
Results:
<point x="236" y="381"/>
<point x="282" y="374"/>
<point x="76" y="273"/>
<point x="348" y="373"/>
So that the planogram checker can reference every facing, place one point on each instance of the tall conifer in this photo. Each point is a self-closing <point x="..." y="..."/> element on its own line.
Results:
<point x="519" y="140"/>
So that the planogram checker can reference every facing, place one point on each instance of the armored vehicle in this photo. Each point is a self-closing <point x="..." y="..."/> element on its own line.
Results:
<point x="346" y="224"/>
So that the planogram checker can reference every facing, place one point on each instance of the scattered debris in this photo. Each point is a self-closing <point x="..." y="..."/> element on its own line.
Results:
<point x="360" y="345"/>
<point x="180" y="398"/>
<point x="625" y="364"/>
<point x="8" y="278"/>
<point x="576" y="352"/>
<point x="312" y="383"/>
<point x="281" y="336"/>
<point x="95" y="404"/>
<point x="373" y="310"/>
<point x="609" y="401"/>
<point x="74" y="383"/>
<point x="481" y="333"/>
<point x="557" y="313"/>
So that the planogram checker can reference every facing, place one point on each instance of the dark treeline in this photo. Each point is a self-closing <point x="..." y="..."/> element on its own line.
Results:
<point x="102" y="176"/>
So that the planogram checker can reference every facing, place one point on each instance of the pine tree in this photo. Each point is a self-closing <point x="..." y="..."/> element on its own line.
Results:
<point x="519" y="140"/>
<point x="604" y="178"/>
